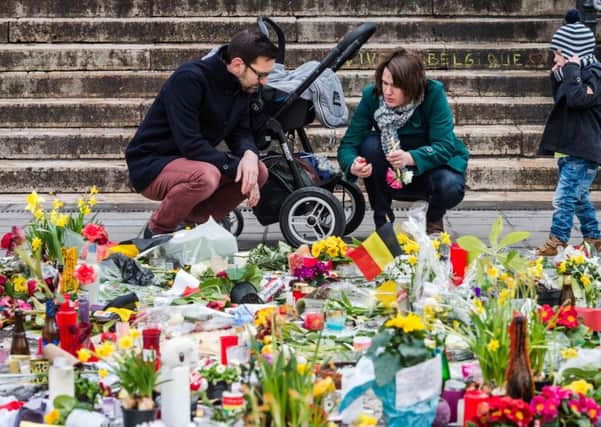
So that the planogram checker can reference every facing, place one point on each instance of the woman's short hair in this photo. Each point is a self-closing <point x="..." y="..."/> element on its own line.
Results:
<point x="408" y="73"/>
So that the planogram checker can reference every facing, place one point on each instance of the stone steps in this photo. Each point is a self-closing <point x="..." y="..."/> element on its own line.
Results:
<point x="301" y="30"/>
<point x="126" y="112"/>
<point x="132" y="8"/>
<point x="109" y="143"/>
<point x="142" y="84"/>
<point x="166" y="57"/>
<point x="21" y="176"/>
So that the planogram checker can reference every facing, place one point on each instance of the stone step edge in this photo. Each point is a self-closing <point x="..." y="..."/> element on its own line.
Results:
<point x="127" y="202"/>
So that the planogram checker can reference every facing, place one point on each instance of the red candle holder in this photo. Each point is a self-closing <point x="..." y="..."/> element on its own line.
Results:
<point x="472" y="399"/>
<point x="227" y="341"/>
<point x="458" y="262"/>
<point x="313" y="321"/>
<point x="151" y="344"/>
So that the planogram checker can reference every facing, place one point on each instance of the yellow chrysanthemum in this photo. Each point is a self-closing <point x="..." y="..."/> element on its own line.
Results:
<point x="52" y="417"/>
<point x="84" y="355"/>
<point x="36" y="244"/>
<point x="125" y="342"/>
<point x="34" y="200"/>
<point x="493" y="345"/>
<point x="445" y="239"/>
<point x="93" y="190"/>
<point x="569" y="353"/>
<point x="105" y="349"/>
<point x="492" y="272"/>
<point x="323" y="386"/>
<point x="102" y="373"/>
<point x="580" y="386"/>
<point x="20" y="284"/>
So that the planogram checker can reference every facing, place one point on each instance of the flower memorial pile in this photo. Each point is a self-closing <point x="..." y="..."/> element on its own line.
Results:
<point x="293" y="337"/>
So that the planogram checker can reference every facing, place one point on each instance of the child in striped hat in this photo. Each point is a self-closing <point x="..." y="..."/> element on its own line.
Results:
<point x="573" y="132"/>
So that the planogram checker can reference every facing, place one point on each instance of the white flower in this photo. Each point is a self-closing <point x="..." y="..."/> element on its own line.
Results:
<point x="220" y="369"/>
<point x="407" y="176"/>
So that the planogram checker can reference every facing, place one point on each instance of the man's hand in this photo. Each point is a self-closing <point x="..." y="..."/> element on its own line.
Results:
<point x="248" y="172"/>
<point x="361" y="168"/>
<point x="253" y="196"/>
<point x="400" y="159"/>
<point x="574" y="60"/>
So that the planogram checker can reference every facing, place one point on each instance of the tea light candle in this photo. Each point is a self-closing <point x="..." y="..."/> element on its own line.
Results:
<point x="361" y="343"/>
<point x="232" y="400"/>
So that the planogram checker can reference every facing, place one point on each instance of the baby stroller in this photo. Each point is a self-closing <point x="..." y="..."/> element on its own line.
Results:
<point x="307" y="206"/>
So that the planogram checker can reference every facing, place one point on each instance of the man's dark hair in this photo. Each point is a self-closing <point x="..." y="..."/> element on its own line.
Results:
<point x="408" y="73"/>
<point x="249" y="45"/>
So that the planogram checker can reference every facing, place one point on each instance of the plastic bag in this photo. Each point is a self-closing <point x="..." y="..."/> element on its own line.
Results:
<point x="432" y="274"/>
<point x="120" y="268"/>
<point x="199" y="244"/>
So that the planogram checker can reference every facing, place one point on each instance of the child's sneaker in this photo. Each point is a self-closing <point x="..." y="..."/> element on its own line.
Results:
<point x="549" y="248"/>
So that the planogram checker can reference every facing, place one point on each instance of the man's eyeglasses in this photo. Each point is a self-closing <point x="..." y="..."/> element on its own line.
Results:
<point x="260" y="75"/>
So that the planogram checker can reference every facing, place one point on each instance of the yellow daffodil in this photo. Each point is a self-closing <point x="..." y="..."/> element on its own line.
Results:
<point x="301" y="368"/>
<point x="503" y="277"/>
<point x="36" y="244"/>
<point x="429" y="312"/>
<point x="105" y="349"/>
<point x="411" y="247"/>
<point x="569" y="353"/>
<point x="84" y="355"/>
<point x="585" y="280"/>
<point x="267" y="339"/>
<point x="38" y="214"/>
<point x="92" y="201"/>
<point x="580" y="386"/>
<point x="562" y="267"/>
<point x="267" y="349"/>
<point x="402" y="238"/>
<point x="53" y="217"/>
<point x="125" y="342"/>
<point x="492" y="272"/>
<point x="445" y="239"/>
<point x="493" y="345"/>
<point x="503" y="295"/>
<point x="93" y="190"/>
<point x="364" y="420"/>
<point x="85" y="209"/>
<point x="412" y="260"/>
<point x="510" y="282"/>
<point x="102" y="373"/>
<point x="134" y="333"/>
<point x="413" y="323"/>
<point x="52" y="417"/>
<point x="62" y="220"/>
<point x="436" y="244"/>
<point x="20" y="284"/>
<point x="34" y="201"/>
<point x="478" y="307"/>
<point x="57" y="204"/>
<point x="579" y="259"/>
<point x="323" y="386"/>
<point x="456" y="324"/>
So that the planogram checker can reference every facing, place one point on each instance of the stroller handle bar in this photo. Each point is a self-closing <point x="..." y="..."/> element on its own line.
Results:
<point x="261" y="22"/>
<point x="342" y="52"/>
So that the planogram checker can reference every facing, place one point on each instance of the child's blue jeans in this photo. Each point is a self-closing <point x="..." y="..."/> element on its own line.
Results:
<point x="572" y="196"/>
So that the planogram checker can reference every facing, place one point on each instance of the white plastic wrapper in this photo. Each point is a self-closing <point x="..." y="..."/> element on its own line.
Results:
<point x="196" y="245"/>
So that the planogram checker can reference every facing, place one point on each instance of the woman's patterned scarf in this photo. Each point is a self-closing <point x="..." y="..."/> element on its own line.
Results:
<point x="389" y="120"/>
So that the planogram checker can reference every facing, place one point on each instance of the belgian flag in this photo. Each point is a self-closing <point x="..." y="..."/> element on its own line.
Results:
<point x="376" y="252"/>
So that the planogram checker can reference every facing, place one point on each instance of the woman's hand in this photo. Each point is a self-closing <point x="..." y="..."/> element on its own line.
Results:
<point x="400" y="159"/>
<point x="361" y="168"/>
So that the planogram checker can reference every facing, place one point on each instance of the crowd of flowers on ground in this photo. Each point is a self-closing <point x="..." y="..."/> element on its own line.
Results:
<point x="283" y="336"/>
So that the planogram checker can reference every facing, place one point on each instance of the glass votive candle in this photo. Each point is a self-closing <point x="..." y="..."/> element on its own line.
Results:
<point x="335" y="320"/>
<point x="313" y="321"/>
<point x="361" y="343"/>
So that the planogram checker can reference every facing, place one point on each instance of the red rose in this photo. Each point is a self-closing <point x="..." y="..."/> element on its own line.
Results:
<point x="32" y="285"/>
<point x="95" y="233"/>
<point x="6" y="241"/>
<point x="3" y="280"/>
<point x="85" y="274"/>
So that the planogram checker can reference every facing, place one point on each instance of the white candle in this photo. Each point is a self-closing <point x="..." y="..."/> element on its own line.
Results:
<point x="175" y="397"/>
<point x="61" y="380"/>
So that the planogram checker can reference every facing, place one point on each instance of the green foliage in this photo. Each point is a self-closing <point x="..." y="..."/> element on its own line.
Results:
<point x="264" y="257"/>
<point x="136" y="375"/>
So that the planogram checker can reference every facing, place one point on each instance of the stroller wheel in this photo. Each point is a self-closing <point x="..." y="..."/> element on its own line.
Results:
<point x="310" y="214"/>
<point x="233" y="222"/>
<point x="353" y="204"/>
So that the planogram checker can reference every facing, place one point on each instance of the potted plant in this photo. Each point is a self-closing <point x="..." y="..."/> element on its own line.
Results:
<point x="502" y="411"/>
<point x="219" y="377"/>
<point x="137" y="377"/>
<point x="562" y="406"/>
